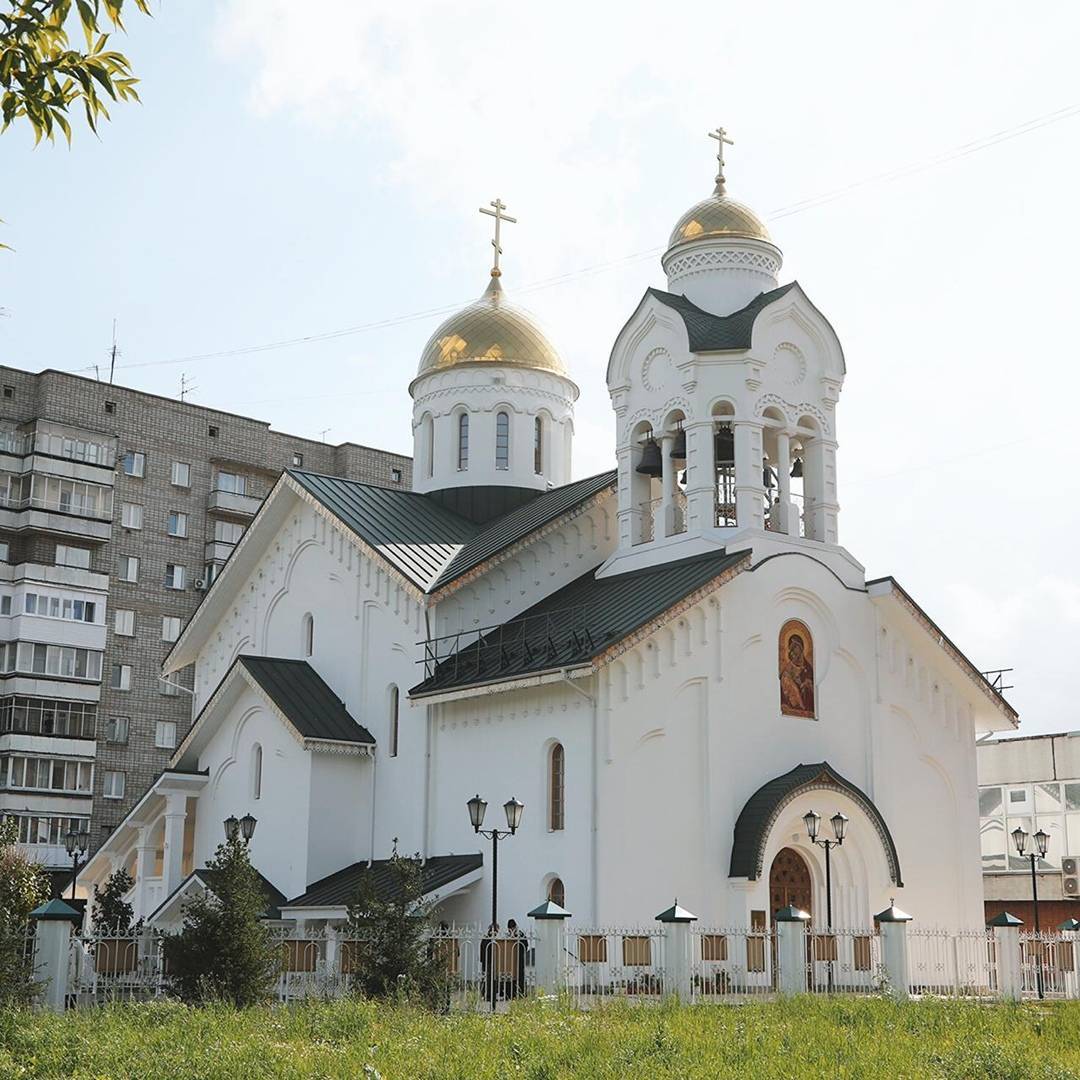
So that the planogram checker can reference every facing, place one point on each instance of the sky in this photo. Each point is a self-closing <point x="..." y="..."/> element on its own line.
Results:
<point x="311" y="173"/>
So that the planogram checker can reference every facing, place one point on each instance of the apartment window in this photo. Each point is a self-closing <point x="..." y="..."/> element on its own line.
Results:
<point x="395" y="475"/>
<point x="5" y="605"/>
<point x="110" y="406"/>
<point x="33" y="829"/>
<point x="124" y="622"/>
<point x="131" y="515"/>
<point x="59" y="607"/>
<point x="232" y="483"/>
<point x="134" y="463"/>
<point x="181" y="474"/>
<point x="120" y="678"/>
<point x="77" y="557"/>
<point x="174" y="576"/>
<point x="60" y="661"/>
<point x="212" y="431"/>
<point x="127" y="568"/>
<point x="177" y="523"/>
<point x="9" y="392"/>
<point x="228" y="532"/>
<point x="297" y="460"/>
<point x="170" y="627"/>
<point x="463" y="442"/>
<point x="4" y="551"/>
<point x="502" y="441"/>
<point x="48" y="716"/>
<point x="51" y="774"/>
<point x="116" y="729"/>
<point x="169" y="688"/>
<point x="165" y="735"/>
<point x="114" y="785"/>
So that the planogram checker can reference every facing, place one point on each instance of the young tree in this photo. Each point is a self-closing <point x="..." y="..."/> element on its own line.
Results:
<point x="112" y="913"/>
<point x="224" y="951"/>
<point x="23" y="886"/>
<point x="392" y="942"/>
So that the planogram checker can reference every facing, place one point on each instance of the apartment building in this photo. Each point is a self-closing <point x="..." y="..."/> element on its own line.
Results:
<point x="117" y="509"/>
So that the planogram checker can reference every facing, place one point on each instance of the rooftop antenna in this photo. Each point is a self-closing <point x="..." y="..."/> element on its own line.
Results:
<point x="97" y="373"/>
<point x="112" y="354"/>
<point x="322" y="434"/>
<point x="186" y="387"/>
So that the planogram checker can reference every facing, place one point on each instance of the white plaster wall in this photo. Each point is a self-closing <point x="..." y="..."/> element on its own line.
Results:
<point x="339" y="822"/>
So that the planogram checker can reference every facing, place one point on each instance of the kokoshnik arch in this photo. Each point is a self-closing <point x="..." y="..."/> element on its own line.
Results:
<point x="646" y="658"/>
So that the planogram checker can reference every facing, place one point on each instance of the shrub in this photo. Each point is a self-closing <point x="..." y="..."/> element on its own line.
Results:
<point x="23" y="886"/>
<point x="224" y="951"/>
<point x="112" y="913"/>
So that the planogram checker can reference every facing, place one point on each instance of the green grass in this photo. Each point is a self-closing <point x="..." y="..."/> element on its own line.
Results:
<point x="799" y="1038"/>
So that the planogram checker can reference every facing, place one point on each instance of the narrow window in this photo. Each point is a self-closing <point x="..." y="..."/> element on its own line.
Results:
<point x="429" y="444"/>
<point x="502" y="441"/>
<point x="395" y="475"/>
<point x="463" y="441"/>
<point x="114" y="785"/>
<point x="309" y="634"/>
<point x="170" y="627"/>
<point x="177" y="523"/>
<point x="298" y="461"/>
<point x="538" y="446"/>
<point x="393" y="721"/>
<point x="165" y="735"/>
<point x="256" y="772"/>
<point x="181" y="474"/>
<point x="557" y="892"/>
<point x="556" y="789"/>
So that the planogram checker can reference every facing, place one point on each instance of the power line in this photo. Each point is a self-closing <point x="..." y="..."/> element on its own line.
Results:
<point x="965" y="149"/>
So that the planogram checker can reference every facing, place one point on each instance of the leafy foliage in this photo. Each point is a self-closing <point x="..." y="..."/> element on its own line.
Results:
<point x="224" y="951"/>
<point x="23" y="886"/>
<point x="394" y="956"/>
<point x="112" y="913"/>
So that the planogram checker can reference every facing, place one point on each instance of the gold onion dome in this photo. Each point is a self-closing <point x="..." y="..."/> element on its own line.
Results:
<point x="490" y="331"/>
<point x="718" y="215"/>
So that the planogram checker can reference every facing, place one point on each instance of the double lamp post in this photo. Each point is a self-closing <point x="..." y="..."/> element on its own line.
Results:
<point x="1042" y="842"/>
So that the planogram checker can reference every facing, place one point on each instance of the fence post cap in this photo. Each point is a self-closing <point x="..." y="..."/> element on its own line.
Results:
<point x="676" y="914"/>
<point x="792" y="914"/>
<point x="1070" y="924"/>
<point x="54" y="911"/>
<point x="549" y="910"/>
<point x="892" y="914"/>
<point x="1005" y="919"/>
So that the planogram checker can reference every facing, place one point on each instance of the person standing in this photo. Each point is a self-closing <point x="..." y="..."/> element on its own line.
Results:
<point x="489" y="963"/>
<point x="518" y="947"/>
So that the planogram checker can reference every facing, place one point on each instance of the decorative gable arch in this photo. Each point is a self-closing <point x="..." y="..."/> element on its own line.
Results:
<point x="764" y="807"/>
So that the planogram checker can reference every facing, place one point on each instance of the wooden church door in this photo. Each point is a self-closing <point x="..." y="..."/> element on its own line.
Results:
<point x="789" y="882"/>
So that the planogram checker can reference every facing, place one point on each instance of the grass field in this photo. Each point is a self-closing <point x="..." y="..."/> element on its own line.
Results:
<point x="798" y="1038"/>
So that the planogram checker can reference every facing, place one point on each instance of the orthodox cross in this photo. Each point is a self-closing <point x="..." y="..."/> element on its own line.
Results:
<point x="500" y="217"/>
<point x="720" y="135"/>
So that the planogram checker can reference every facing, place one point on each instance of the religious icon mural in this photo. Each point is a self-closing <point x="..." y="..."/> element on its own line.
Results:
<point x="796" y="670"/>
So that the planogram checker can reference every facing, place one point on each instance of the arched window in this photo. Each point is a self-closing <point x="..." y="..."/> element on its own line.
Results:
<point x="557" y="892"/>
<point x="256" y="771"/>
<point x="463" y="441"/>
<point x="393" y="721"/>
<point x="538" y="446"/>
<point x="557" y="788"/>
<point x="308" y="634"/>
<point x="428" y="447"/>
<point x="502" y="441"/>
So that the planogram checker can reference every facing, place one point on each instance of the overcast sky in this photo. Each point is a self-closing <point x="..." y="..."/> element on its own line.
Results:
<point x="299" y="169"/>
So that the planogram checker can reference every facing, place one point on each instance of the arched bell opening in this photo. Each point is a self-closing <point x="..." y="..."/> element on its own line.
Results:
<point x="673" y="479"/>
<point x="646" y="471"/>
<point x="724" y="505"/>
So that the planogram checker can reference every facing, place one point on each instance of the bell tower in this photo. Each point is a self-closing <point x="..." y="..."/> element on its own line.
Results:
<point x="493" y="405"/>
<point x="724" y="389"/>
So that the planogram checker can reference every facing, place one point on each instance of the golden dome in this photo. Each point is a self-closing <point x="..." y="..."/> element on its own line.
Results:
<point x="718" y="215"/>
<point x="490" y="331"/>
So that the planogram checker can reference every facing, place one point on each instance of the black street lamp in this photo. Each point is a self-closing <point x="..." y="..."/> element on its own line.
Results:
<point x="243" y="827"/>
<point x="513" y="808"/>
<point x="76" y="841"/>
<point x="812" y="820"/>
<point x="1042" y="842"/>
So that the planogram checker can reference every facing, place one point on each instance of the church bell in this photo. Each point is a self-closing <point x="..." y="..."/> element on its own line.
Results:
<point x="796" y="469"/>
<point x="725" y="445"/>
<point x="678" y="451"/>
<point x="651" y="464"/>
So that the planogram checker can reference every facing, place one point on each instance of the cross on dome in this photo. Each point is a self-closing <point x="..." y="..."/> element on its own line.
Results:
<point x="720" y="135"/>
<point x="500" y="217"/>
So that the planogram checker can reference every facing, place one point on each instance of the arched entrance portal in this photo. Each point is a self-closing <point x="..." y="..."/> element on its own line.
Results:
<point x="789" y="882"/>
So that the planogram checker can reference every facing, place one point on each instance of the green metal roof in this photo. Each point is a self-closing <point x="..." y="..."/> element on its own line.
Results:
<point x="573" y="624"/>
<point x="298" y="690"/>
<point x="710" y="332"/>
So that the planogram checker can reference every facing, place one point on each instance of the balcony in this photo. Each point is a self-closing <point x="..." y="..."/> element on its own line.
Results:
<point x="229" y="502"/>
<point x="217" y="551"/>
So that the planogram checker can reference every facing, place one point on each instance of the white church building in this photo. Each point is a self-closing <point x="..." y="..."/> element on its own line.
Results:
<point x="669" y="664"/>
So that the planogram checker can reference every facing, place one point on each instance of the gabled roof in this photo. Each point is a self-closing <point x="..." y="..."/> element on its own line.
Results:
<point x="708" y="332"/>
<point x="519" y="523"/>
<point x="296" y="693"/>
<point x="305" y="700"/>
<point x="576" y="623"/>
<point x="206" y="878"/>
<point x="416" y="535"/>
<point x="340" y="888"/>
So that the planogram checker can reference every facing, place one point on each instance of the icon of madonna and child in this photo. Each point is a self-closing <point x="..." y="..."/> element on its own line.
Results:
<point x="796" y="670"/>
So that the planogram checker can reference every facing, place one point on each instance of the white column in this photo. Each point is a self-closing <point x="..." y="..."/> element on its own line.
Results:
<point x="700" y="476"/>
<point x="52" y="944"/>
<point x="749" y="490"/>
<point x="549" y="921"/>
<point x="819" y="486"/>
<point x="791" y="950"/>
<point x="1010" y="981"/>
<point x="666" y="516"/>
<point x="894" y="949"/>
<point x="785" y="510"/>
<point x="144" y="862"/>
<point x="628" y="525"/>
<point x="173" y="868"/>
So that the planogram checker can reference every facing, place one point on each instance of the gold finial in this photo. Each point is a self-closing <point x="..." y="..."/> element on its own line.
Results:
<point x="720" y="135"/>
<point x="499" y="217"/>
